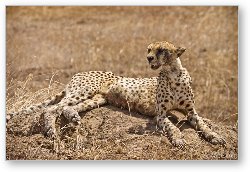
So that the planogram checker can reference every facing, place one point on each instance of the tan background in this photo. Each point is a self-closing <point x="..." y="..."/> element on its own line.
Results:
<point x="47" y="45"/>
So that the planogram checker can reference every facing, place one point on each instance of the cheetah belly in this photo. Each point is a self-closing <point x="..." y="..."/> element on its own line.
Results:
<point x="135" y="94"/>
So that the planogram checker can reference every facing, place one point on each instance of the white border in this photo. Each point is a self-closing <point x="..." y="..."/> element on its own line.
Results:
<point x="241" y="164"/>
<point x="121" y="2"/>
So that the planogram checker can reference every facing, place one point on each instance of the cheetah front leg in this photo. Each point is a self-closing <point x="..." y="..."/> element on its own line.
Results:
<point x="197" y="122"/>
<point x="174" y="134"/>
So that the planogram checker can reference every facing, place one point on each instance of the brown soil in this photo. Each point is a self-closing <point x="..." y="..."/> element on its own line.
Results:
<point x="47" y="45"/>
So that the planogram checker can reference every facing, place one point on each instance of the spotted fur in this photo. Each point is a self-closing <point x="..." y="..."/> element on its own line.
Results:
<point x="155" y="96"/>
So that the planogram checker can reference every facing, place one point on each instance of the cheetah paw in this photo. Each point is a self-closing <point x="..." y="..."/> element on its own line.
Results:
<point x="72" y="115"/>
<point x="214" y="138"/>
<point x="180" y="143"/>
<point x="51" y="132"/>
<point x="218" y="141"/>
<point x="10" y="115"/>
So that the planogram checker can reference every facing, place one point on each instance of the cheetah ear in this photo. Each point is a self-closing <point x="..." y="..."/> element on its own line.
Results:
<point x="180" y="50"/>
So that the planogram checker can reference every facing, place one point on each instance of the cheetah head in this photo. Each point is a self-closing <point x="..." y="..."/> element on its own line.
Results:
<point x="163" y="53"/>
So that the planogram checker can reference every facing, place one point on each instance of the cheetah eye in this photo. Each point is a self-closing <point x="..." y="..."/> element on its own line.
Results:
<point x="160" y="51"/>
<point x="149" y="50"/>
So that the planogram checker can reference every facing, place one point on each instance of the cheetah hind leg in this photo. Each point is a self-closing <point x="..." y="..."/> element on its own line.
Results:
<point x="50" y="116"/>
<point x="72" y="112"/>
<point x="198" y="123"/>
<point x="174" y="134"/>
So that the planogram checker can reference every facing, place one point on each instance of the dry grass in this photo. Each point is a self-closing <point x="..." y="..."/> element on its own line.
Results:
<point x="47" y="45"/>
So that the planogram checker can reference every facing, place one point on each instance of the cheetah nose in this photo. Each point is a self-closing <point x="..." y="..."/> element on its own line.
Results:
<point x="150" y="58"/>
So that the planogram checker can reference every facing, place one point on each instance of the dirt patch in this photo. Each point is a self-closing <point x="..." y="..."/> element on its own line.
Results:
<point x="108" y="133"/>
<point x="47" y="45"/>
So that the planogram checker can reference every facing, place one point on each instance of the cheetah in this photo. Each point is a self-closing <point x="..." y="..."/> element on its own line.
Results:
<point x="155" y="96"/>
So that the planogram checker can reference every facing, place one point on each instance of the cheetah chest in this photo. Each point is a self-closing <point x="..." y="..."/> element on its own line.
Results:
<point x="173" y="93"/>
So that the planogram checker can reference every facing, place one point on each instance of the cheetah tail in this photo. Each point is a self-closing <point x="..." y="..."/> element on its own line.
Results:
<point x="34" y="108"/>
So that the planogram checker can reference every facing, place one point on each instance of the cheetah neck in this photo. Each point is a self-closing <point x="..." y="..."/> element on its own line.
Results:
<point x="173" y="68"/>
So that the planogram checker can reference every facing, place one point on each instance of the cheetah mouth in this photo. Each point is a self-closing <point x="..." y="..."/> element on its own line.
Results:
<point x="154" y="67"/>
